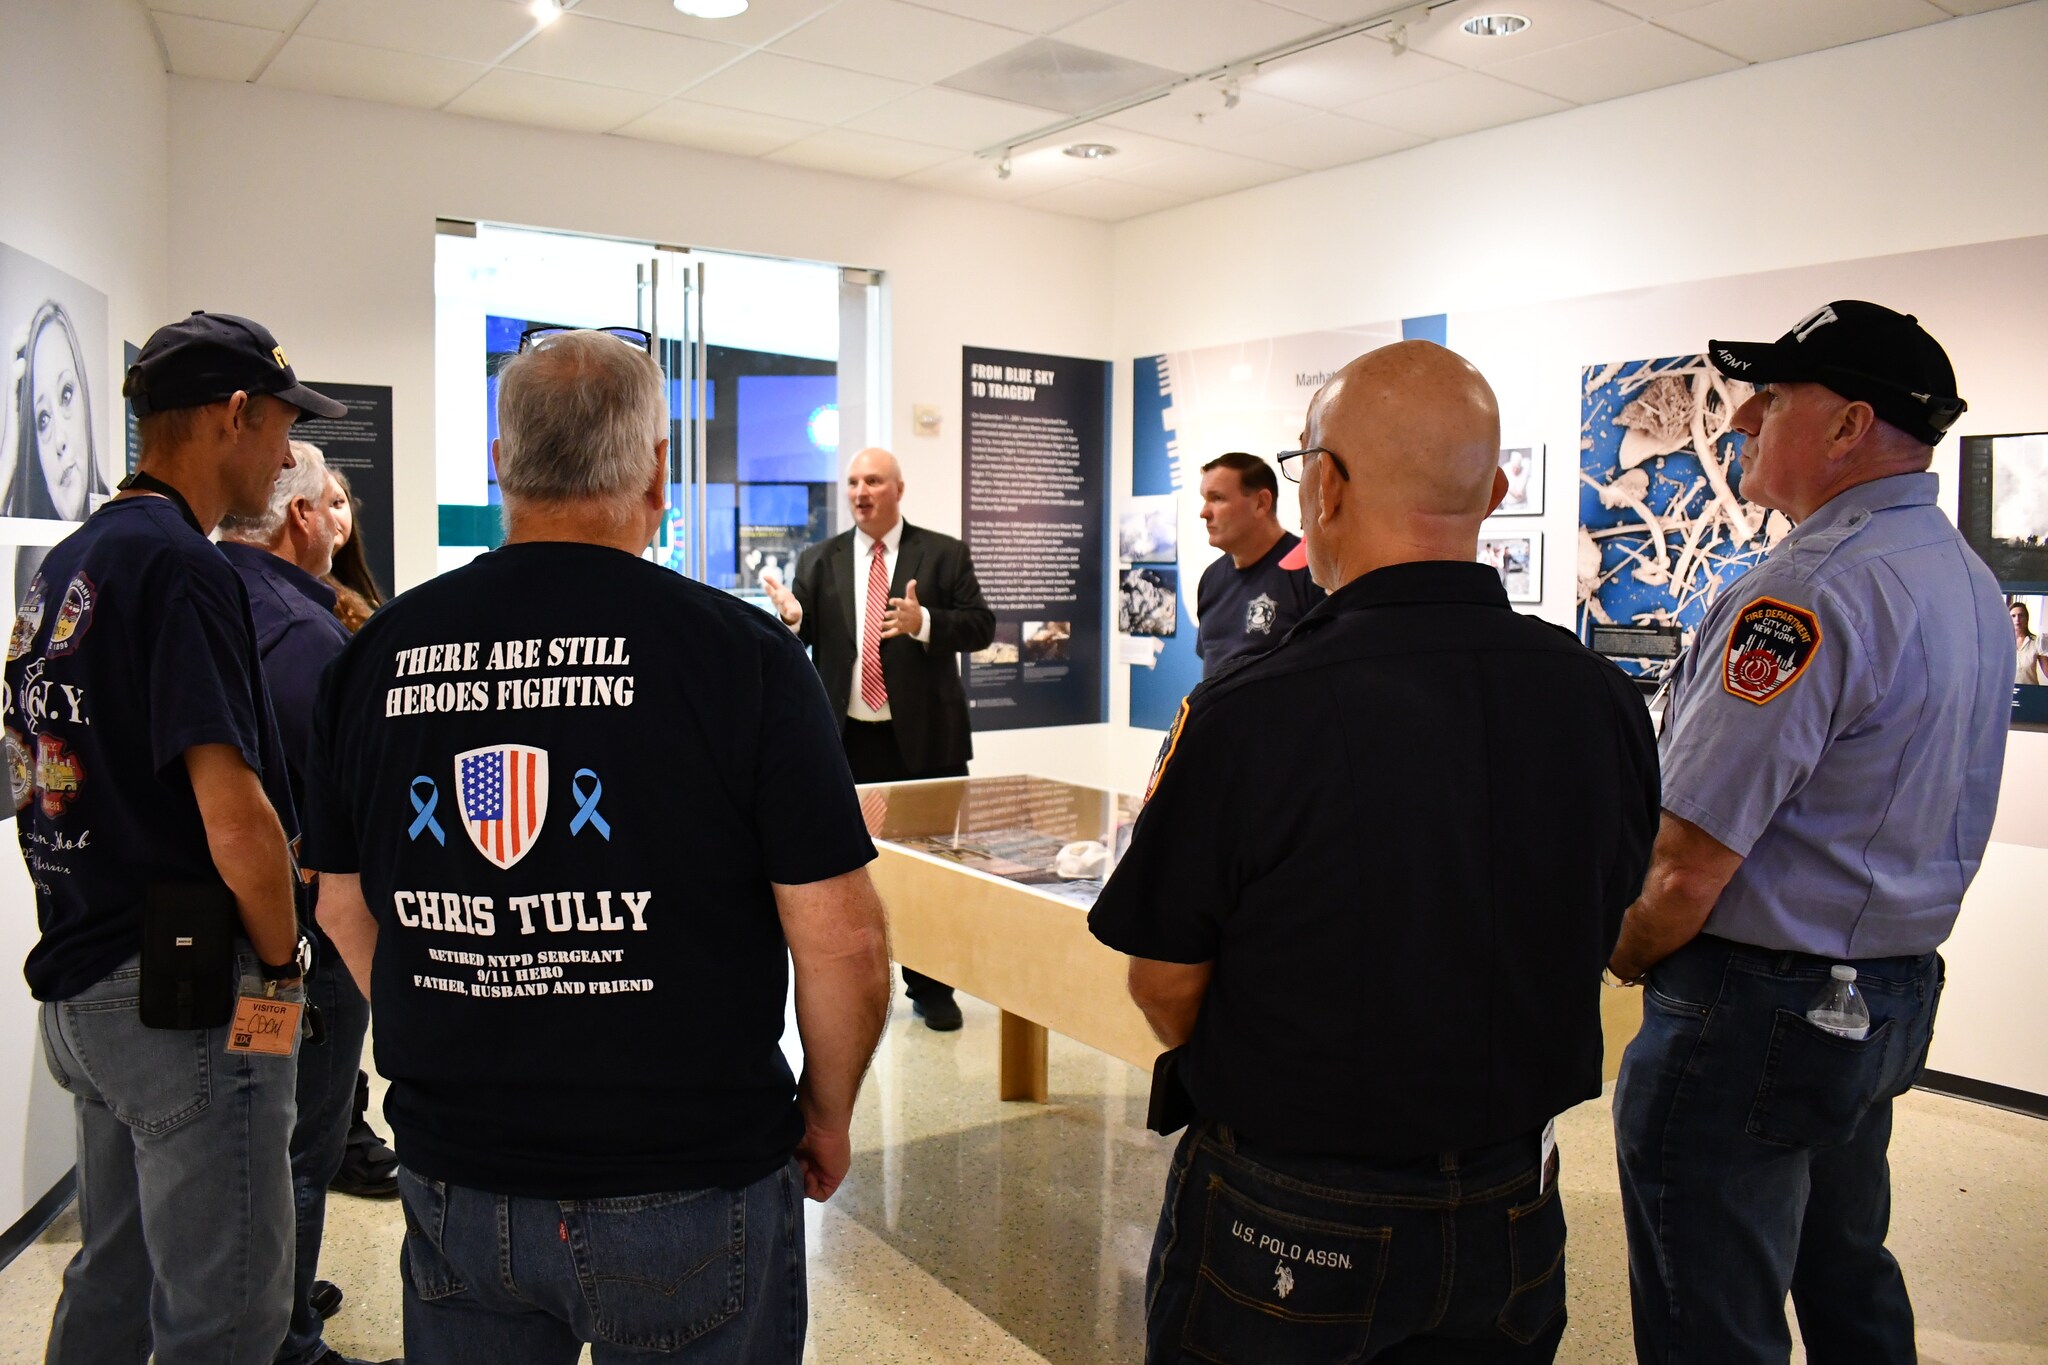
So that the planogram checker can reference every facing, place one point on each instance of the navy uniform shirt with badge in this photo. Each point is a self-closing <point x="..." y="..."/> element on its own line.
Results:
<point x="1840" y="721"/>
<point x="1409" y="884"/>
<point x="132" y="645"/>
<point x="1247" y="611"/>
<point x="567" y="778"/>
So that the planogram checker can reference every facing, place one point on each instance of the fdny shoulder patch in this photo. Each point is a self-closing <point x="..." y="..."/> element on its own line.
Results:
<point x="74" y="618"/>
<point x="1166" y="749"/>
<point x="1770" y="645"/>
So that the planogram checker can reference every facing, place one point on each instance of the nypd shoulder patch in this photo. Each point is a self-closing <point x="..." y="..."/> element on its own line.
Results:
<point x="1770" y="645"/>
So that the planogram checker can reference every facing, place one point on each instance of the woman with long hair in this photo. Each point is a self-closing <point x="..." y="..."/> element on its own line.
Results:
<point x="355" y="587"/>
<point x="56" y="462"/>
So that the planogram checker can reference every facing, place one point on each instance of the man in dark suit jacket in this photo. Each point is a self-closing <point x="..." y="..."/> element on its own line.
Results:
<point x="887" y="609"/>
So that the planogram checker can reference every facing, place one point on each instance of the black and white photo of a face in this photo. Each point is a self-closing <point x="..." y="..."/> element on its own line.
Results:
<point x="60" y="417"/>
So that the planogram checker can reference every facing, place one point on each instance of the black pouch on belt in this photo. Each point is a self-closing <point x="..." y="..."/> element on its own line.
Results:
<point x="188" y="955"/>
<point x="1171" y="1108"/>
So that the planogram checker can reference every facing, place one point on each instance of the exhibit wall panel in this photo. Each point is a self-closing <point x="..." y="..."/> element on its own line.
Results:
<point x="317" y="214"/>
<point x="84" y="191"/>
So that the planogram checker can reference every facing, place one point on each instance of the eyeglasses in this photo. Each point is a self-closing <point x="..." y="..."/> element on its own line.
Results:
<point x="632" y="336"/>
<point x="1290" y="462"/>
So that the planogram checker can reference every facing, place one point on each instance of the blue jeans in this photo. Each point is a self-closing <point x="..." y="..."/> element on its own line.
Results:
<point x="184" y="1187"/>
<point x="1263" y="1257"/>
<point x="1752" y="1151"/>
<point x="326" y="1096"/>
<point x="715" y="1277"/>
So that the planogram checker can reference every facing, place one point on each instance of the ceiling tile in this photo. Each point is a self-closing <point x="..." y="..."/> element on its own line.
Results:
<point x="1657" y="9"/>
<point x="948" y="118"/>
<point x="1335" y="12"/>
<point x="276" y="15"/>
<point x="1321" y="141"/>
<point x="1109" y="200"/>
<point x="1623" y="62"/>
<point x="1976" y="6"/>
<point x="1765" y="30"/>
<point x="889" y="38"/>
<point x="1132" y="149"/>
<point x="1047" y="74"/>
<point x="1189" y="35"/>
<point x="548" y="102"/>
<point x="367" y="73"/>
<point x="1195" y="114"/>
<point x="224" y="52"/>
<point x="581" y="49"/>
<point x="714" y="129"/>
<point x="1347" y="71"/>
<point x="1030" y="174"/>
<point x="788" y="88"/>
<point x="764" y="20"/>
<point x="1465" y="103"/>
<point x="1552" y="23"/>
<point x="883" y="158"/>
<point x="460" y="30"/>
<point x="1199" y="173"/>
<point x="1027" y="16"/>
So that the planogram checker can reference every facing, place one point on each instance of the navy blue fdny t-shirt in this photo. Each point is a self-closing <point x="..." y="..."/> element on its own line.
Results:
<point x="1250" y="610"/>
<point x="132" y="645"/>
<point x="567" y="777"/>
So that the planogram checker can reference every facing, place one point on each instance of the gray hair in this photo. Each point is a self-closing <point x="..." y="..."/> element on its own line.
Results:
<point x="578" y="417"/>
<point x="307" y="478"/>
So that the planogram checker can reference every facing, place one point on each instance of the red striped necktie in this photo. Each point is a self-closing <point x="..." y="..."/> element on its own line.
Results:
<point x="872" y="689"/>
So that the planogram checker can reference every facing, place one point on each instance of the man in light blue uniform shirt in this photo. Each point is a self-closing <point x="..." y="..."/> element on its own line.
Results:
<point x="1831" y="760"/>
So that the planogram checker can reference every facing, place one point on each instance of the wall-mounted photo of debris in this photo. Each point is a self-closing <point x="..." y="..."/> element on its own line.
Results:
<point x="1663" y="527"/>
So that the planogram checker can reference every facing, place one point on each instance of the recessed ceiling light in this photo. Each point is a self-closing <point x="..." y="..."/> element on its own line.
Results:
<point x="1091" y="151"/>
<point x="546" y="11"/>
<point x="712" y="9"/>
<point x="1495" y="25"/>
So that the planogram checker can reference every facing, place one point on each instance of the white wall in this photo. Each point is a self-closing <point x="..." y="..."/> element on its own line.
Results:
<point x="1923" y="140"/>
<point x="316" y="215"/>
<point x="82" y="187"/>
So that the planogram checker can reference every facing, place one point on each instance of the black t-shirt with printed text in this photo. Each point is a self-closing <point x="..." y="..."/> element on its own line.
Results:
<point x="131" y="646"/>
<point x="567" y="778"/>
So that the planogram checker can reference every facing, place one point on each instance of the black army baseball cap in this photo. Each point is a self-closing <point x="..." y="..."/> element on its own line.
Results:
<point x="1862" y="351"/>
<point x="208" y="357"/>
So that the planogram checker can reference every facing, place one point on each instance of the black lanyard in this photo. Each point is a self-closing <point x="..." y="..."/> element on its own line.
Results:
<point x="150" y="483"/>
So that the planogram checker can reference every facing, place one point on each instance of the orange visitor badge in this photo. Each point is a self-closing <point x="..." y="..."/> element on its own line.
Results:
<point x="269" y="1027"/>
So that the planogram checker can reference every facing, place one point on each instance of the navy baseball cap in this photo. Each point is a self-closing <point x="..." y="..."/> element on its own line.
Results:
<point x="207" y="358"/>
<point x="1862" y="351"/>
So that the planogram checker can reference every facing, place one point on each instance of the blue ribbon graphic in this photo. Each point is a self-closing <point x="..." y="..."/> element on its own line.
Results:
<point x="586" y="805"/>
<point x="423" y="811"/>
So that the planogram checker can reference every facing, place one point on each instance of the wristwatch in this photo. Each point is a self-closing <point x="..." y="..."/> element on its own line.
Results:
<point x="300" y="962"/>
<point x="1608" y="978"/>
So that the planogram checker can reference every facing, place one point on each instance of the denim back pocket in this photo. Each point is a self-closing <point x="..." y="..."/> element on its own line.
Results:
<point x="660" y="1270"/>
<point x="1536" y="1236"/>
<point x="151" y="1079"/>
<point x="422" y="1259"/>
<point x="1817" y="1085"/>
<point x="1278" y="1286"/>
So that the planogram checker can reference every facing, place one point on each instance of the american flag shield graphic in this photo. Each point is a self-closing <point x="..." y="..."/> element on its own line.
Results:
<point x="503" y="794"/>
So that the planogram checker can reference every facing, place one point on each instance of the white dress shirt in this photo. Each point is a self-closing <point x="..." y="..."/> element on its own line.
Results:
<point x="863" y="548"/>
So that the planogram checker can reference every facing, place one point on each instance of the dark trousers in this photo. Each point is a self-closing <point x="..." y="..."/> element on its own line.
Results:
<point x="874" y="755"/>
<point x="712" y="1276"/>
<point x="1452" y="1259"/>
<point x="326" y="1094"/>
<point x="1752" y="1151"/>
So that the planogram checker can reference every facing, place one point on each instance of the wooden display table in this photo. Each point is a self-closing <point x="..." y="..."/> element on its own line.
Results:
<point x="966" y="869"/>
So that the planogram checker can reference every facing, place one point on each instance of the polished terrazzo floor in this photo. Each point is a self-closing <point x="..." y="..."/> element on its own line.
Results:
<point x="973" y="1230"/>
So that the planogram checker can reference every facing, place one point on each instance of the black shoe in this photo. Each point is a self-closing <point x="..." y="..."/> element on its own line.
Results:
<point x="940" y="1013"/>
<point x="325" y="1299"/>
<point x="368" y="1171"/>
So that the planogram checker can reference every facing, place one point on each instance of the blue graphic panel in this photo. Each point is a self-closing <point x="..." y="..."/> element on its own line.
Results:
<point x="1436" y="327"/>
<point x="789" y="428"/>
<point x="1156" y="691"/>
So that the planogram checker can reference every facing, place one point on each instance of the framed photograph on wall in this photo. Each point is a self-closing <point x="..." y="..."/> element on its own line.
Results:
<point x="1524" y="467"/>
<point x="1519" y="562"/>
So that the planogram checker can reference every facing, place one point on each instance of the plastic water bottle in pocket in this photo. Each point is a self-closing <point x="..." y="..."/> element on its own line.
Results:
<point x="1840" y="1008"/>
